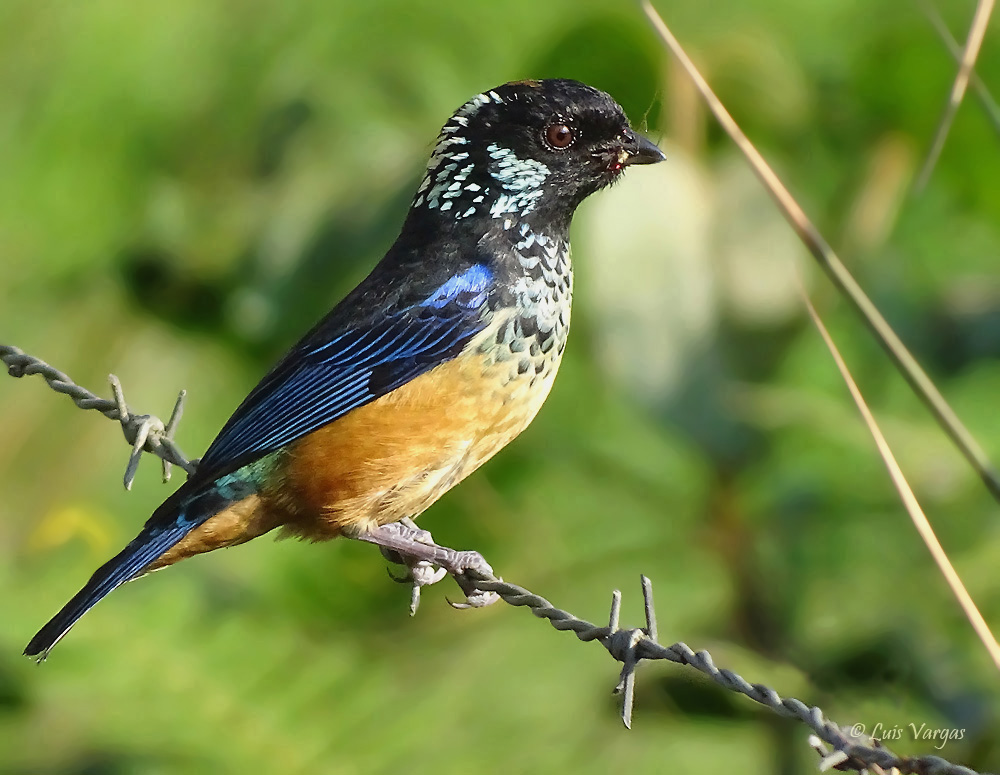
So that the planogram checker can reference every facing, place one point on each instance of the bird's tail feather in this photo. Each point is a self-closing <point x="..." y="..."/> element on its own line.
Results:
<point x="156" y="537"/>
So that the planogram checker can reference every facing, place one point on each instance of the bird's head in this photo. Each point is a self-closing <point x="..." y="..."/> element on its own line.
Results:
<point x="529" y="150"/>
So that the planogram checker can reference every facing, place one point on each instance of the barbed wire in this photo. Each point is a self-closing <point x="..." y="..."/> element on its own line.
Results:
<point x="850" y="750"/>
<point x="145" y="432"/>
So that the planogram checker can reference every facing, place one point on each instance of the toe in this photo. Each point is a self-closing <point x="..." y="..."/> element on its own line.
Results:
<point x="476" y="598"/>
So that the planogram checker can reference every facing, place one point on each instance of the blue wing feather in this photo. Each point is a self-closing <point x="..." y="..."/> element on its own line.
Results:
<point x="352" y="357"/>
<point x="328" y="374"/>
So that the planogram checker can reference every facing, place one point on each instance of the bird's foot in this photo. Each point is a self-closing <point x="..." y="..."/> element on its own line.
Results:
<point x="427" y="563"/>
<point x="416" y="573"/>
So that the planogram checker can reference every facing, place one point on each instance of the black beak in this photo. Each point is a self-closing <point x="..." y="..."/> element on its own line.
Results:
<point x="641" y="151"/>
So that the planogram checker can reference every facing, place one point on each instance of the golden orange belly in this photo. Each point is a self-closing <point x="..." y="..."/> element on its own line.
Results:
<point x="394" y="457"/>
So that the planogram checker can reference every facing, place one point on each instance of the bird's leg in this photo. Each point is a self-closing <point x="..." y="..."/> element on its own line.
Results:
<point x="427" y="563"/>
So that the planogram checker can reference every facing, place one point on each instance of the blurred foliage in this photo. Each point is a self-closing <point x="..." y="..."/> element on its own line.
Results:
<point x="186" y="186"/>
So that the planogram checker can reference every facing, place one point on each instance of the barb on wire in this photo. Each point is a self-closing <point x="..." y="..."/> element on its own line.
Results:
<point x="629" y="646"/>
<point x="145" y="432"/>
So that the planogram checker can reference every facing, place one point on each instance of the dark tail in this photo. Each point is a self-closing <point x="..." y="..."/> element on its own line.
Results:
<point x="168" y="525"/>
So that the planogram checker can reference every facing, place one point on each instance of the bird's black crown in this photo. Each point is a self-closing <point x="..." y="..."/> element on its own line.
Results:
<point x="529" y="149"/>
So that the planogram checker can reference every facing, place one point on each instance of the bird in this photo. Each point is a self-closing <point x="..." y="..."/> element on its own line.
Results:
<point x="432" y="364"/>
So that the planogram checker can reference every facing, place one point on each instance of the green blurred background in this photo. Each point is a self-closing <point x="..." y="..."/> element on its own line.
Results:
<point x="186" y="186"/>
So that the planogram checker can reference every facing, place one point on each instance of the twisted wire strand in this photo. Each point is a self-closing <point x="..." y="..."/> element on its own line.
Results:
<point x="147" y="433"/>
<point x="630" y="646"/>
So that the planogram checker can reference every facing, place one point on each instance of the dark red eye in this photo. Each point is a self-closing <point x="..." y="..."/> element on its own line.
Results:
<point x="559" y="136"/>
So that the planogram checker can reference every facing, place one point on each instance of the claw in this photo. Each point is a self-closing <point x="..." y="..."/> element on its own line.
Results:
<point x="426" y="563"/>
<point x="417" y="573"/>
<point x="405" y="577"/>
<point x="424" y="573"/>
<point x="476" y="598"/>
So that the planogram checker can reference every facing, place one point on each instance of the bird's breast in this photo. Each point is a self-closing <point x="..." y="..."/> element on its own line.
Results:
<point x="394" y="457"/>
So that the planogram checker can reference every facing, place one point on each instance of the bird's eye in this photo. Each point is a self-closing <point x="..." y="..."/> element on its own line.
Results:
<point x="559" y="136"/>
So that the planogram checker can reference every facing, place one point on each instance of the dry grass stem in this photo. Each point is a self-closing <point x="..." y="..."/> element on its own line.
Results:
<point x="980" y="20"/>
<point x="836" y="271"/>
<point x="909" y="499"/>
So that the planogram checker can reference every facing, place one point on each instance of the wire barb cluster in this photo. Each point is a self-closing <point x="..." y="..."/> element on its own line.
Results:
<point x="147" y="433"/>
<point x="631" y="646"/>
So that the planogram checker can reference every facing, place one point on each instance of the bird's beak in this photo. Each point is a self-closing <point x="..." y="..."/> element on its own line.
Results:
<point x="639" y="150"/>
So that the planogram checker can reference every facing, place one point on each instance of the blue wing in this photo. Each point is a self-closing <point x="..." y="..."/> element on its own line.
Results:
<point x="330" y="373"/>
